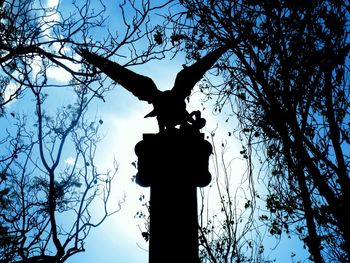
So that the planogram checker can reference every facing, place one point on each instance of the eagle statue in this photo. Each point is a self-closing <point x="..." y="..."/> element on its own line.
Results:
<point x="168" y="106"/>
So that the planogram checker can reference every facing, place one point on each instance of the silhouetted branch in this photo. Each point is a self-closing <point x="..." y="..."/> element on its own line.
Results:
<point x="41" y="188"/>
<point x="46" y="37"/>
<point x="291" y="99"/>
<point x="229" y="233"/>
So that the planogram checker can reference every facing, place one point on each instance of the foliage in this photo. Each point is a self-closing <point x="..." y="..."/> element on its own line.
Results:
<point x="45" y="204"/>
<point x="286" y="79"/>
<point x="228" y="228"/>
<point x="36" y="39"/>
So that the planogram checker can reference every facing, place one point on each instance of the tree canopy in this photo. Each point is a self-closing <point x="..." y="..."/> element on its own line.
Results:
<point x="287" y="82"/>
<point x="285" y="78"/>
<point x="46" y="202"/>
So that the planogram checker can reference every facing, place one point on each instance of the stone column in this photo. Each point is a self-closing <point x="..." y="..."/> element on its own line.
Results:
<point x="173" y="165"/>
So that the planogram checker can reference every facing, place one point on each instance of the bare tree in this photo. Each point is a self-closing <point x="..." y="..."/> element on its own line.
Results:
<point x="46" y="37"/>
<point x="46" y="204"/>
<point x="229" y="230"/>
<point x="47" y="208"/>
<point x="287" y="82"/>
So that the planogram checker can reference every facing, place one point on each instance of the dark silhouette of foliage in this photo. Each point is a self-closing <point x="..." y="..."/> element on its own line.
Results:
<point x="227" y="228"/>
<point x="46" y="37"/>
<point x="286" y="80"/>
<point x="45" y="204"/>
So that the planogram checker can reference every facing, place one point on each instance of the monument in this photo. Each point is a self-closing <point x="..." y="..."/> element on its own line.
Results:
<point x="173" y="162"/>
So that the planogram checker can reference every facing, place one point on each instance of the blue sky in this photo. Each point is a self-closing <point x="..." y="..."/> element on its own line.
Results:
<point x="119" y="238"/>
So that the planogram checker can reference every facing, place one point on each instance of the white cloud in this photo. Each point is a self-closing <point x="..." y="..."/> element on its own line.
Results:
<point x="69" y="161"/>
<point x="54" y="72"/>
<point x="52" y="3"/>
<point x="51" y="16"/>
<point x="59" y="74"/>
<point x="10" y="90"/>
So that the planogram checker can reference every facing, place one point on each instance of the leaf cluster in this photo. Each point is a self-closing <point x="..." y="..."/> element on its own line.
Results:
<point x="286" y="80"/>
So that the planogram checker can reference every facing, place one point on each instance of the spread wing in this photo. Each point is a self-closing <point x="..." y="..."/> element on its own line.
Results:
<point x="189" y="76"/>
<point x="141" y="86"/>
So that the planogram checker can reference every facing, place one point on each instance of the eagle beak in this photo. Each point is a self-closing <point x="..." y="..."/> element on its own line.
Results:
<point x="153" y="113"/>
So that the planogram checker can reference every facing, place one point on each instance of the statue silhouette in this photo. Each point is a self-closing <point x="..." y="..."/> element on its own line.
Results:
<point x="169" y="106"/>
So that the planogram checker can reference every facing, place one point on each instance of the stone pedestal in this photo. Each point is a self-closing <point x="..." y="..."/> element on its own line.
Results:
<point x="173" y="165"/>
